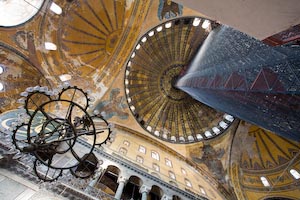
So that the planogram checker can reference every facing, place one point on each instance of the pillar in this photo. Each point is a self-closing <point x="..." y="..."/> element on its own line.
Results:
<point x="241" y="76"/>
<point x="95" y="179"/>
<point x="144" y="190"/>
<point x="122" y="181"/>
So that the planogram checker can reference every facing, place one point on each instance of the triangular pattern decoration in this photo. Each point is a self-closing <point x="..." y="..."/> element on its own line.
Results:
<point x="236" y="81"/>
<point x="267" y="80"/>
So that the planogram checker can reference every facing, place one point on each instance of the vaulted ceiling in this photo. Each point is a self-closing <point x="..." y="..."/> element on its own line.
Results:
<point x="100" y="44"/>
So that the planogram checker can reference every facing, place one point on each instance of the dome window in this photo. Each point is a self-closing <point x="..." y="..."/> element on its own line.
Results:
<point x="264" y="181"/>
<point x="1" y="69"/>
<point x="295" y="174"/>
<point x="55" y="8"/>
<point x="1" y="87"/>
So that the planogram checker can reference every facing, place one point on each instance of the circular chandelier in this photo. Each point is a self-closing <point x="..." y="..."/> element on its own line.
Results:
<point x="53" y="127"/>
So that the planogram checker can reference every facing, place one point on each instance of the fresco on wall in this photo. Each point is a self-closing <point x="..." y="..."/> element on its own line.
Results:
<point x="168" y="9"/>
<point x="114" y="106"/>
<point x="17" y="74"/>
<point x="212" y="159"/>
<point x="20" y="38"/>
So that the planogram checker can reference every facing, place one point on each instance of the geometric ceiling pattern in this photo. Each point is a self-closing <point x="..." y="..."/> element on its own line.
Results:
<point x="268" y="151"/>
<point x="262" y="162"/>
<point x="90" y="36"/>
<point x="151" y="73"/>
<point x="95" y="29"/>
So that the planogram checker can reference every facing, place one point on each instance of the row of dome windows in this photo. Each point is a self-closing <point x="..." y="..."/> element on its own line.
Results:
<point x="293" y="172"/>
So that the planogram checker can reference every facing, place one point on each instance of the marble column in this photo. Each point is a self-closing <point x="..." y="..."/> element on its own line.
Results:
<point x="95" y="179"/>
<point x="144" y="190"/>
<point x="122" y="181"/>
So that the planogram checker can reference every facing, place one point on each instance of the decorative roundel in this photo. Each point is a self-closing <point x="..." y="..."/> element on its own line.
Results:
<point x="16" y="12"/>
<point x="151" y="73"/>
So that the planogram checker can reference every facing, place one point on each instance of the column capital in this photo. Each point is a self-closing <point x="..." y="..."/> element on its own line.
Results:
<point x="122" y="179"/>
<point x="166" y="197"/>
<point x="145" y="189"/>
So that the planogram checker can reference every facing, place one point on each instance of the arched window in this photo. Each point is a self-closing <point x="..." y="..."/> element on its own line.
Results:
<point x="168" y="162"/>
<point x="183" y="171"/>
<point x="126" y="143"/>
<point x="140" y="159"/>
<point x="202" y="190"/>
<point x="1" y="87"/>
<point x="132" y="188"/>
<point x="172" y="175"/>
<point x="109" y="180"/>
<point x="55" y="8"/>
<point x="123" y="151"/>
<point x="188" y="183"/>
<point x="155" y="155"/>
<point x="1" y="69"/>
<point x="295" y="174"/>
<point x="50" y="46"/>
<point x="264" y="181"/>
<point x="156" y="167"/>
<point x="142" y="149"/>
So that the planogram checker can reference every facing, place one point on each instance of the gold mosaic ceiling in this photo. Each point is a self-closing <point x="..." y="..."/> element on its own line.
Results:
<point x="93" y="43"/>
<point x="151" y="73"/>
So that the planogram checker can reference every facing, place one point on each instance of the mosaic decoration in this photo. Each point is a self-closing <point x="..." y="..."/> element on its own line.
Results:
<point x="168" y="9"/>
<point x="258" y="153"/>
<point x="90" y="34"/>
<point x="114" y="106"/>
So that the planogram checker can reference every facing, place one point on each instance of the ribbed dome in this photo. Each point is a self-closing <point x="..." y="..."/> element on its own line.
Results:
<point x="151" y="73"/>
<point x="268" y="151"/>
<point x="88" y="35"/>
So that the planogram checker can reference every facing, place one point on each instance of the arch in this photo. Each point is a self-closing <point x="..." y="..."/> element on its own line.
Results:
<point x="156" y="167"/>
<point x="132" y="188"/>
<point x="175" y="197"/>
<point x="123" y="151"/>
<point x="295" y="174"/>
<point x="188" y="182"/>
<point x="108" y="181"/>
<point x="265" y="181"/>
<point x="172" y="175"/>
<point x="155" y="193"/>
<point x="140" y="159"/>
<point x="126" y="143"/>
